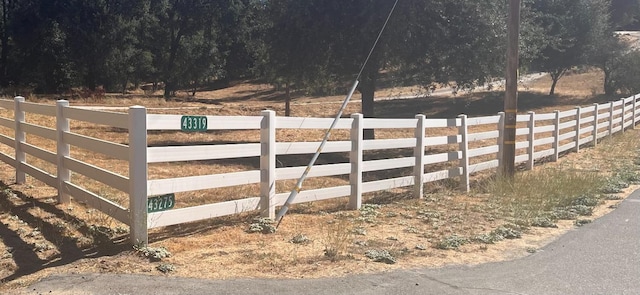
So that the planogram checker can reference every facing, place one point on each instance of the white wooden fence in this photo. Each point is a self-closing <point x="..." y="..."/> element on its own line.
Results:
<point x="543" y="136"/>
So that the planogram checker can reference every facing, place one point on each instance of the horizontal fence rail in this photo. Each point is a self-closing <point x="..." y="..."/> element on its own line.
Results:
<point x="439" y="149"/>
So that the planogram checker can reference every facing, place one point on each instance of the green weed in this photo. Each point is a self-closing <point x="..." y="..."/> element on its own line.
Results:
<point x="531" y="195"/>
<point x="451" y="242"/>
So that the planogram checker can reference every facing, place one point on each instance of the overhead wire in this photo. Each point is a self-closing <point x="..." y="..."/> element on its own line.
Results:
<point x="298" y="186"/>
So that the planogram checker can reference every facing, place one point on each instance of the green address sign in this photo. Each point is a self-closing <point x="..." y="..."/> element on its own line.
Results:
<point x="193" y="123"/>
<point x="161" y="203"/>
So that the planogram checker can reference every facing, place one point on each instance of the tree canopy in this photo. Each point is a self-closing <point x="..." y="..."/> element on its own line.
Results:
<point x="572" y="30"/>
<point x="315" y="46"/>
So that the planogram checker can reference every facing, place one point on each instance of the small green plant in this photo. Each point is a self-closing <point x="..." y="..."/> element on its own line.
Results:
<point x="428" y="216"/>
<point x="369" y="213"/>
<point x="362" y="243"/>
<point x="391" y="214"/>
<point x="300" y="239"/>
<point x="412" y="229"/>
<point x="451" y="242"/>
<point x="581" y="210"/>
<point x="612" y="197"/>
<point x="564" y="214"/>
<point x="611" y="189"/>
<point x="488" y="238"/>
<point x="101" y="235"/>
<point x="628" y="175"/>
<point x="543" y="221"/>
<point x="41" y="247"/>
<point x="166" y="267"/>
<point x="581" y="222"/>
<point x="615" y="184"/>
<point x="262" y="225"/>
<point x="359" y="230"/>
<point x="121" y="230"/>
<point x="152" y="253"/>
<point x="382" y="256"/>
<point x="590" y="201"/>
<point x="509" y="231"/>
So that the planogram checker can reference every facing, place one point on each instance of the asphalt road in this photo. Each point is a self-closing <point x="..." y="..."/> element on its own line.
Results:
<point x="602" y="257"/>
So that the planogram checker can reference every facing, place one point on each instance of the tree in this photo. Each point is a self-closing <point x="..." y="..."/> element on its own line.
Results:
<point x="61" y="44"/>
<point x="8" y="7"/>
<point x="126" y="60"/>
<point x="182" y="37"/>
<point x="624" y="75"/>
<point x="605" y="49"/>
<point x="625" y="14"/>
<point x="94" y="26"/>
<point x="572" y="30"/>
<point x="241" y="42"/>
<point x="294" y="59"/>
<point x="425" y="42"/>
<point x="561" y="49"/>
<point x="40" y="56"/>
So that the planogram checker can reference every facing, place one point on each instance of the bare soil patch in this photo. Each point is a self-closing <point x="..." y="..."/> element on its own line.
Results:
<point x="39" y="237"/>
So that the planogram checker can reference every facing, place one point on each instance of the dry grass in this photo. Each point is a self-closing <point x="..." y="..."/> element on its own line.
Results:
<point x="72" y="237"/>
<point x="535" y="194"/>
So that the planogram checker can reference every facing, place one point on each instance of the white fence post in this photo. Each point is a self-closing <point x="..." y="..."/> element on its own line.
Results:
<point x="556" y="136"/>
<point x="531" y="124"/>
<point x="634" y="113"/>
<point x="596" y="112"/>
<point x="578" y="117"/>
<point x="20" y="138"/>
<point x="418" y="154"/>
<point x="610" y="119"/>
<point x="138" y="174"/>
<point x="355" y="157"/>
<point x="500" y="140"/>
<point x="622" y="116"/>
<point x="464" y="148"/>
<point x="62" y="150"/>
<point x="268" y="164"/>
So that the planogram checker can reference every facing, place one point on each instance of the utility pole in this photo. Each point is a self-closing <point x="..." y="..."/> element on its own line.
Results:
<point x="511" y="90"/>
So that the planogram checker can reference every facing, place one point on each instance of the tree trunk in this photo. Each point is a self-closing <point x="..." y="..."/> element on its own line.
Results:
<point x="609" y="88"/>
<point x="195" y="88"/>
<point x="124" y="86"/>
<point x="368" y="89"/>
<point x="555" y="76"/>
<point x="5" y="44"/>
<point x="554" y="82"/>
<point x="168" y="89"/>
<point x="287" y="101"/>
<point x="170" y="86"/>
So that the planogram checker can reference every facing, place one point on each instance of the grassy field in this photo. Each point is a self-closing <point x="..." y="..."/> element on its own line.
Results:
<point x="498" y="220"/>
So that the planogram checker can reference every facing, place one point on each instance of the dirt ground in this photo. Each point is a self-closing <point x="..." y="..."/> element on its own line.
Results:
<point x="39" y="237"/>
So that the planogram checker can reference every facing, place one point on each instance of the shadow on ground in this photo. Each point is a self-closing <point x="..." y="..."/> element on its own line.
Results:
<point x="476" y="104"/>
<point x="44" y="219"/>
